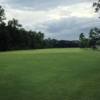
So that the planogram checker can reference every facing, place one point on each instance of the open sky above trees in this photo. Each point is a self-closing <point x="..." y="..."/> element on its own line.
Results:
<point x="60" y="19"/>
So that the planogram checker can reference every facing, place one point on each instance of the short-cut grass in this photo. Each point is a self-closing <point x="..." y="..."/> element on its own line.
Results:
<point x="50" y="74"/>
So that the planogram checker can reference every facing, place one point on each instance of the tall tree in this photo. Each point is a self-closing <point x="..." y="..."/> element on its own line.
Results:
<point x="2" y="14"/>
<point x="82" y="38"/>
<point x="96" y="5"/>
<point x="84" y="42"/>
<point x="94" y="37"/>
<point x="14" y="23"/>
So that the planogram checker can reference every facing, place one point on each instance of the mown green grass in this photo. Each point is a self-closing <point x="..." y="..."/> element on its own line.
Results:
<point x="50" y="74"/>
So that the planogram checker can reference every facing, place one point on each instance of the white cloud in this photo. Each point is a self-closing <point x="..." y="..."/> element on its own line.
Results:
<point x="77" y="10"/>
<point x="53" y="20"/>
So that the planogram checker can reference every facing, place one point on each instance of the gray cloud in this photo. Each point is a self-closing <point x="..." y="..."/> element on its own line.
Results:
<point x="64" y="28"/>
<point x="43" y="4"/>
<point x="69" y="28"/>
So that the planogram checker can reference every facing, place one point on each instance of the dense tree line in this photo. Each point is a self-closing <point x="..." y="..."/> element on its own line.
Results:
<point x="13" y="37"/>
<point x="53" y="43"/>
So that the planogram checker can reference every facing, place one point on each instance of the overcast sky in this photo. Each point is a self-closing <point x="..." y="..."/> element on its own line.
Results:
<point x="60" y="19"/>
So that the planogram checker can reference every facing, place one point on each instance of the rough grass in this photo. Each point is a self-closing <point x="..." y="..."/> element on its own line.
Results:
<point x="50" y="74"/>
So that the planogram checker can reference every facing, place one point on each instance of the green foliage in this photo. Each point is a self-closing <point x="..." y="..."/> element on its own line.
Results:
<point x="92" y="40"/>
<point x="94" y="37"/>
<point x="84" y="42"/>
<point x="56" y="74"/>
<point x="53" y="43"/>
<point x="14" y="23"/>
<point x="13" y="36"/>
<point x="2" y="14"/>
<point x="96" y="5"/>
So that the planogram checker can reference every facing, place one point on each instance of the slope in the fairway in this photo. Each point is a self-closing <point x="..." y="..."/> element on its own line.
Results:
<point x="50" y="74"/>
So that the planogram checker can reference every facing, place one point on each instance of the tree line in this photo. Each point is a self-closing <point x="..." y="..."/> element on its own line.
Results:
<point x="13" y="37"/>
